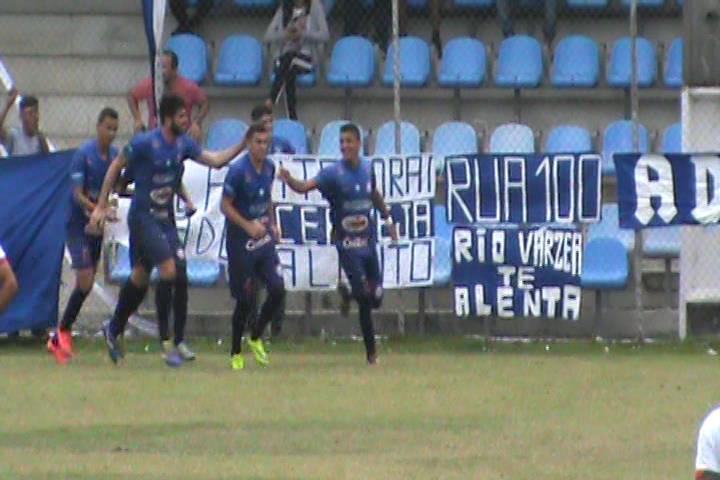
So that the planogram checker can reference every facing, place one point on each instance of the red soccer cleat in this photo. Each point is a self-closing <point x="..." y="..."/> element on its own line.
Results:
<point x="64" y="338"/>
<point x="53" y="346"/>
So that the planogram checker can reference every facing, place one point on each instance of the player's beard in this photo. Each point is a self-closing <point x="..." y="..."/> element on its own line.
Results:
<point x="176" y="129"/>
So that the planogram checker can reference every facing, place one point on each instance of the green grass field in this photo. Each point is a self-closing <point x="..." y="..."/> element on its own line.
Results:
<point x="431" y="409"/>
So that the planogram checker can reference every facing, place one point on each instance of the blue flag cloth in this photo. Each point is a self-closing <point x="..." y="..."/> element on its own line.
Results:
<point x="34" y="208"/>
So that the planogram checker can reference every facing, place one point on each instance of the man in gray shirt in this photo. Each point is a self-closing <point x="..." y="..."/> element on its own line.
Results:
<point x="27" y="139"/>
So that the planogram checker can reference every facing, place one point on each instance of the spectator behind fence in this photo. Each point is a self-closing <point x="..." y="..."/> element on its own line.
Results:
<point x="186" y="23"/>
<point x="357" y="19"/>
<point x="507" y="8"/>
<point x="296" y="32"/>
<point x="175" y="84"/>
<point x="27" y="139"/>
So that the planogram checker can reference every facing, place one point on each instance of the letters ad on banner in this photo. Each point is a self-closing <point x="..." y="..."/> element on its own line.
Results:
<point x="659" y="190"/>
<point x="517" y="272"/>
<point x="308" y="259"/>
<point x="519" y="189"/>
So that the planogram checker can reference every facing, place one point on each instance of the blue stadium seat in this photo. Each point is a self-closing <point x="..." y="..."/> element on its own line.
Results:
<point x="192" y="55"/>
<point x="240" y="61"/>
<point x="417" y="3"/>
<point x="352" y="63"/>
<point x="409" y="139"/>
<point x="225" y="133"/>
<point x="609" y="227"/>
<point x="255" y="3"/>
<point x="463" y="65"/>
<point x="674" y="64"/>
<point x="618" y="138"/>
<point x="587" y="3"/>
<point x="569" y="139"/>
<point x="662" y="242"/>
<point x="672" y="139"/>
<point x="442" y="260"/>
<point x="606" y="265"/>
<point x="294" y="132"/>
<point x="474" y="3"/>
<point x="305" y="80"/>
<point x="414" y="63"/>
<point x="202" y="272"/>
<point x="453" y="138"/>
<point x="120" y="270"/>
<point x="512" y="138"/>
<point x="577" y="62"/>
<point x="330" y="139"/>
<point x="619" y="70"/>
<point x="646" y="3"/>
<point x="520" y="63"/>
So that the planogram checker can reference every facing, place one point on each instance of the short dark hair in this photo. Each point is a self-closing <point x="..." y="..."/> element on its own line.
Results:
<point x="107" y="112"/>
<point x="28" y="101"/>
<point x="259" y="112"/>
<point x="174" y="62"/>
<point x="350" y="128"/>
<point x="254" y="128"/>
<point x="170" y="105"/>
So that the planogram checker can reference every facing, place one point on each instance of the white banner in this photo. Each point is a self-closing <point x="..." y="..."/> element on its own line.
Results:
<point x="308" y="260"/>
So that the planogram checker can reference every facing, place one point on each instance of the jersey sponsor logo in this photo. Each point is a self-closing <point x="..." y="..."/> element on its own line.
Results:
<point x="164" y="177"/>
<point x="252" y="245"/>
<point x="355" y="223"/>
<point x="355" y="205"/>
<point x="162" y="196"/>
<point x="350" y="243"/>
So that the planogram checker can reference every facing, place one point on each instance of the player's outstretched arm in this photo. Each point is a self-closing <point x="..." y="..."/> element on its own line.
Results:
<point x="253" y="228"/>
<point x="111" y="178"/>
<point x="12" y="96"/>
<point x="218" y="159"/>
<point x="187" y="199"/>
<point x="300" y="186"/>
<point x="381" y="206"/>
<point x="8" y="284"/>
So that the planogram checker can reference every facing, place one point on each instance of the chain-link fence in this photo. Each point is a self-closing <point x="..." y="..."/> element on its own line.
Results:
<point x="498" y="77"/>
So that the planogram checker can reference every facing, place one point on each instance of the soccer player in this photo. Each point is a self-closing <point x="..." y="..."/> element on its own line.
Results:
<point x="155" y="160"/>
<point x="349" y="187"/>
<point x="89" y="166"/>
<point x="8" y="282"/>
<point x="707" y="462"/>
<point x="251" y="236"/>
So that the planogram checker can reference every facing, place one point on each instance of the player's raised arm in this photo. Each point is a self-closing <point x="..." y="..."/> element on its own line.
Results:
<point x="111" y="178"/>
<point x="300" y="186"/>
<point x="218" y="159"/>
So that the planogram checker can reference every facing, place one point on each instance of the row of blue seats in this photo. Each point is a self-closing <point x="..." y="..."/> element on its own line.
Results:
<point x="606" y="260"/>
<point x="576" y="63"/>
<point x="329" y="4"/>
<point x="458" y="137"/>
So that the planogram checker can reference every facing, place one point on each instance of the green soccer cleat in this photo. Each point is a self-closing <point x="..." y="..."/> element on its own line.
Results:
<point x="237" y="362"/>
<point x="261" y="356"/>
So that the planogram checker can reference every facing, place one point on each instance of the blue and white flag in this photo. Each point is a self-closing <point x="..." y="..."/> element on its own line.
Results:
<point x="154" y="18"/>
<point x="523" y="189"/>
<point x="659" y="190"/>
<point x="517" y="272"/>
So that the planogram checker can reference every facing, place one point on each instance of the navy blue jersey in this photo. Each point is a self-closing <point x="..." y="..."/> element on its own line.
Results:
<point x="349" y="192"/>
<point x="280" y="145"/>
<point x="251" y="193"/>
<point x="87" y="173"/>
<point x="157" y="168"/>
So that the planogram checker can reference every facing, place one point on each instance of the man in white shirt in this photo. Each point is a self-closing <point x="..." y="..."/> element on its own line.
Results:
<point x="27" y="139"/>
<point x="8" y="282"/>
<point x="707" y="461"/>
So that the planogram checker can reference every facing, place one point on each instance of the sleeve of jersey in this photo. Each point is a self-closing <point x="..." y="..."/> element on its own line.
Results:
<point x="77" y="169"/>
<point x="707" y="454"/>
<point x="193" y="150"/>
<point x="324" y="181"/>
<point x="130" y="152"/>
<point x="230" y="186"/>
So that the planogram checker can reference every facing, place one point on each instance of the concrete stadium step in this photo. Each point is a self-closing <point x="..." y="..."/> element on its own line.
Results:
<point x="29" y="34"/>
<point x="75" y="75"/>
<point x="69" y="6"/>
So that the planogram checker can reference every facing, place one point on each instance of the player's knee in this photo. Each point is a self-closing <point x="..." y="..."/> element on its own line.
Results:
<point x="140" y="277"/>
<point x="167" y="270"/>
<point x="84" y="282"/>
<point x="374" y="293"/>
<point x="276" y="292"/>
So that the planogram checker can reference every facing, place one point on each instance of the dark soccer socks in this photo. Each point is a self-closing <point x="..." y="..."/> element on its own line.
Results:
<point x="180" y="306"/>
<point x="366" y="325"/>
<point x="163" y="301"/>
<point x="130" y="298"/>
<point x="72" y="309"/>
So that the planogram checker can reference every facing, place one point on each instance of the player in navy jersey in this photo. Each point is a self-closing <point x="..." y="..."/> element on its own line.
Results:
<point x="251" y="236"/>
<point x="155" y="160"/>
<point x="89" y="165"/>
<point x="349" y="187"/>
